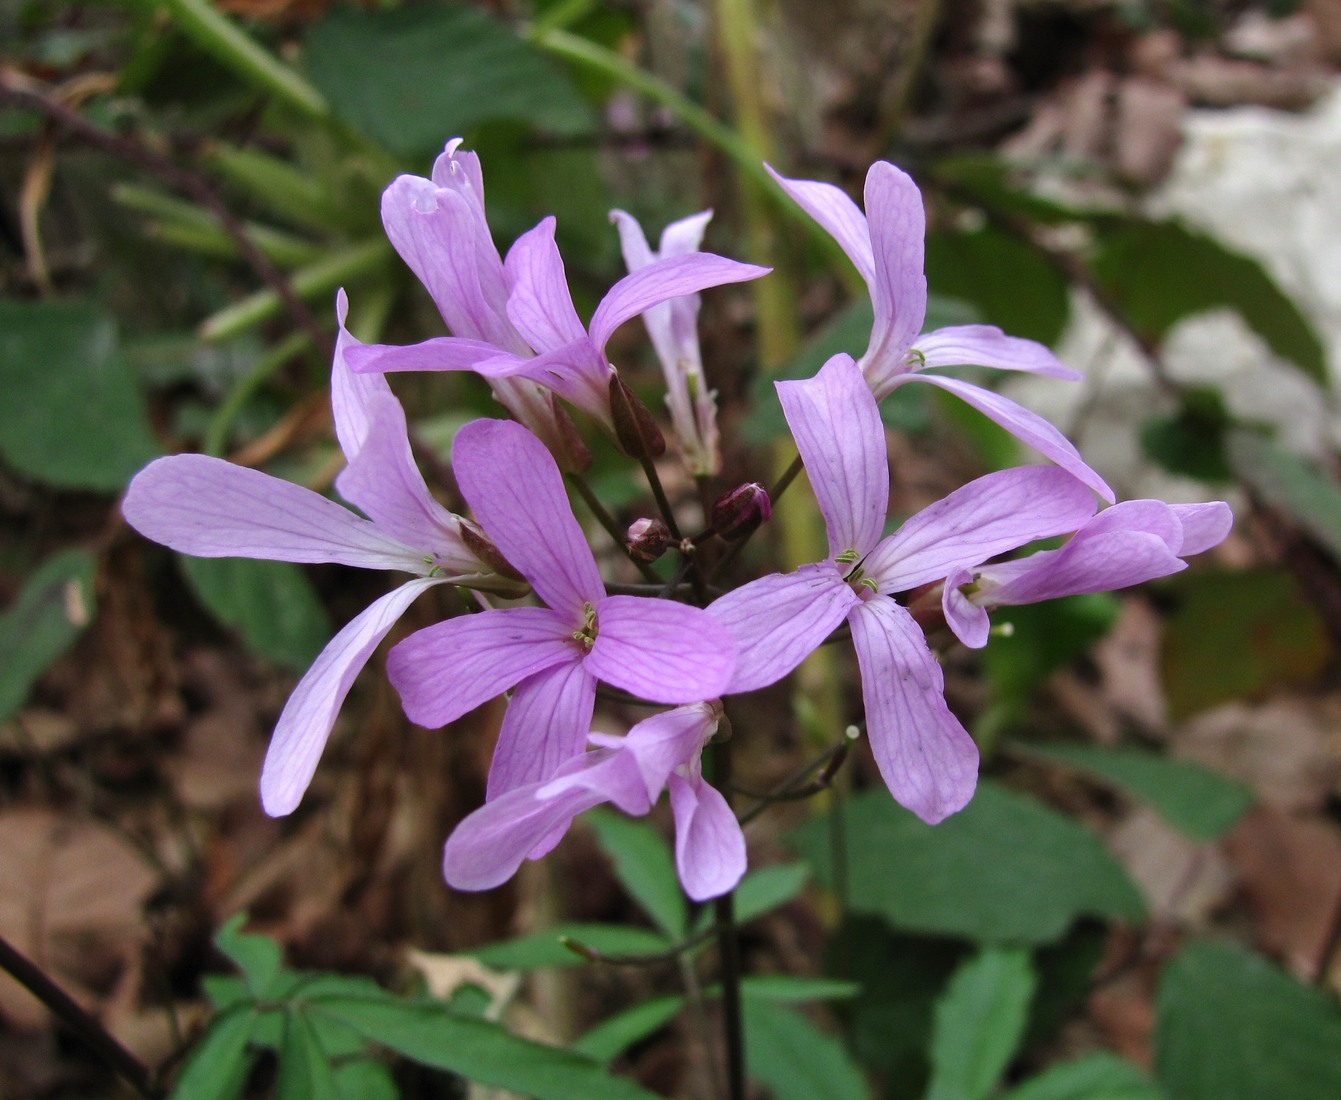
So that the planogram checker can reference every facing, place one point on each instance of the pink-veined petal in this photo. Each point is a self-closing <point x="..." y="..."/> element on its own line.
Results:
<point x="898" y="228"/>
<point x="1026" y="426"/>
<point x="577" y="372"/>
<point x="451" y="667"/>
<point x="213" y="509"/>
<point x="545" y="726"/>
<point x="611" y="773"/>
<point x="665" y="741"/>
<point x="539" y="303"/>
<point x="839" y="216"/>
<point x="986" y="517"/>
<point x="1204" y="525"/>
<point x="305" y="722"/>
<point x="988" y="346"/>
<point x="516" y="491"/>
<point x="709" y="846"/>
<point x="1117" y="560"/>
<point x="837" y="429"/>
<point x="438" y="353"/>
<point x="351" y="391"/>
<point x="966" y="619"/>
<point x="660" y="650"/>
<point x="779" y="620"/>
<point x="926" y="757"/>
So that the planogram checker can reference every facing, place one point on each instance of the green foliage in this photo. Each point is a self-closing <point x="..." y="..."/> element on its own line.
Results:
<point x="1201" y="803"/>
<point x="270" y="603"/>
<point x="1231" y="1026"/>
<point x="1192" y="441"/>
<point x="1236" y="636"/>
<point x="1003" y="870"/>
<point x="52" y="610"/>
<point x="548" y="948"/>
<point x="643" y="864"/>
<point x="1302" y="492"/>
<point x="76" y="420"/>
<point x="795" y="1059"/>
<point x="612" y="1036"/>
<point x="217" y="1068"/>
<point x="1096" y="1077"/>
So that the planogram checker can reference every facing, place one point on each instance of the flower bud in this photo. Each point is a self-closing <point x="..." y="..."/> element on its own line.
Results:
<point x="647" y="539"/>
<point x="739" y="512"/>
<point x="510" y="582"/>
<point x="635" y="429"/>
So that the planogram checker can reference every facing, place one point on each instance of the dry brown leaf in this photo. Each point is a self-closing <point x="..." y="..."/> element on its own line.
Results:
<point x="1182" y="880"/>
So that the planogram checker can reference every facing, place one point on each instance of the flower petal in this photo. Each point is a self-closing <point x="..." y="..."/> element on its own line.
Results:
<point x="351" y="392"/>
<point x="545" y="726"/>
<point x="779" y="620"/>
<point x="966" y="619"/>
<point x="451" y="667"/>
<point x="898" y="227"/>
<point x="539" y="303"/>
<point x="837" y="429"/>
<point x="661" y="650"/>
<point x="988" y="346"/>
<point x="516" y="491"/>
<point x="438" y="353"/>
<point x="1026" y="426"/>
<point x="709" y="845"/>
<point x="1116" y="560"/>
<point x="1204" y="525"/>
<point x="986" y="517"/>
<point x="305" y="722"/>
<point x="213" y="509"/>
<point x="926" y="757"/>
<point x="839" y="216"/>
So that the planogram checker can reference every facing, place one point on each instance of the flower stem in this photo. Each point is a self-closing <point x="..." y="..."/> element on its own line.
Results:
<point x="606" y="520"/>
<point x="728" y="947"/>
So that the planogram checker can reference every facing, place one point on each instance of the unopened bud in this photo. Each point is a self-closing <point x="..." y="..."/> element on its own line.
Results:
<point x="647" y="539"/>
<point x="635" y="429"/>
<point x="740" y="511"/>
<point x="479" y="544"/>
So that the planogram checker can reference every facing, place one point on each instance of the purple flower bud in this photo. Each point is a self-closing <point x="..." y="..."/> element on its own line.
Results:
<point x="635" y="429"/>
<point x="647" y="539"/>
<point x="739" y="512"/>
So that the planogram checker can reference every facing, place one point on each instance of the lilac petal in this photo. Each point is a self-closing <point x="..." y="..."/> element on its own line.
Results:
<point x="684" y="236"/>
<point x="1026" y="426"/>
<point x="1119" y="560"/>
<point x="451" y="667"/>
<point x="986" y="517"/>
<point x="1204" y="525"/>
<point x="660" y="650"/>
<point x="539" y="303"/>
<point x="516" y="491"/>
<point x="898" y="228"/>
<point x="662" y="280"/>
<point x="611" y="774"/>
<point x="577" y="372"/>
<point x="839" y="216"/>
<point x="709" y="846"/>
<point x="305" y="722"/>
<point x="966" y="619"/>
<point x="837" y="428"/>
<point x="545" y="726"/>
<point x="213" y="509"/>
<point x="779" y="620"/>
<point x="988" y="346"/>
<point x="926" y="757"/>
<point x="665" y="741"/>
<point x="351" y="392"/>
<point x="436" y="354"/>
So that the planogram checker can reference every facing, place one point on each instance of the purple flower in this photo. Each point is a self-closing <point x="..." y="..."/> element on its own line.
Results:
<point x="1132" y="542"/>
<point x="516" y="320"/>
<point x="662" y="751"/>
<point x="673" y="328"/>
<point x="211" y="508"/>
<point x="657" y="649"/>
<point x="927" y="759"/>
<point x="886" y="245"/>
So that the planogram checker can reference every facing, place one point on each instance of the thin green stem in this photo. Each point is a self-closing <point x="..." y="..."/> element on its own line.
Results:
<point x="663" y="503"/>
<point x="611" y="526"/>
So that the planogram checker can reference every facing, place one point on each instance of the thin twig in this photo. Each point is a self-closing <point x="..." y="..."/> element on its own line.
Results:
<point x="794" y="787"/>
<point x="606" y="520"/>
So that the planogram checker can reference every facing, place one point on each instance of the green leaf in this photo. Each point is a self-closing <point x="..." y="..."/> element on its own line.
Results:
<point x="1158" y="273"/>
<point x="270" y="603"/>
<point x="258" y="957"/>
<point x="83" y="423"/>
<point x="790" y="989"/>
<point x="643" y="863"/>
<point x="1201" y="803"/>
<point x="980" y="1020"/>
<point x="1096" y="1077"/>
<point x="305" y="1071"/>
<point x="530" y="952"/>
<point x="363" y="1079"/>
<point x="52" y="610"/>
<point x="411" y="78"/>
<point x="1231" y="1026"/>
<point x="1191" y="442"/>
<point x="795" y="1059"/>
<point x="478" y="1050"/>
<point x="1307" y="495"/>
<point x="1003" y="870"/>
<point x="612" y="1036"/>
<point x="1238" y="635"/>
<point x="1044" y="637"/>
<point x="217" y="1068"/>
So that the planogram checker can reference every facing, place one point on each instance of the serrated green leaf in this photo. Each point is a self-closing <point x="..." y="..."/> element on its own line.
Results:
<point x="258" y="957"/>
<point x="305" y="1071"/>
<point x="83" y="423"/>
<point x="980" y="1020"/>
<point x="612" y="1036"/>
<point x="1231" y="1026"/>
<point x="546" y="948"/>
<point x="479" y="1050"/>
<point x="643" y="864"/>
<point x="1006" y="869"/>
<point x="1201" y="803"/>
<point x="1238" y="635"/>
<point x="410" y="78"/>
<point x="1097" y="1077"/>
<point x="1307" y="495"/>
<point x="271" y="604"/>
<point x="217" y="1068"/>
<point x="1158" y="273"/>
<point x="795" y="1059"/>
<point x="52" y="610"/>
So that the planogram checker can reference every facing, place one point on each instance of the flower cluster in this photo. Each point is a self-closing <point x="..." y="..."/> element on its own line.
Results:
<point x="512" y="321"/>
